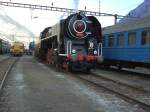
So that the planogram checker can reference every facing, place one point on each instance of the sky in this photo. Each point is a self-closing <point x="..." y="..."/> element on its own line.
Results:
<point x="37" y="20"/>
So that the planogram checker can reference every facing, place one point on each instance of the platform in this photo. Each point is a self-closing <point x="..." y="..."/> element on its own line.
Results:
<point x="2" y="57"/>
<point x="33" y="87"/>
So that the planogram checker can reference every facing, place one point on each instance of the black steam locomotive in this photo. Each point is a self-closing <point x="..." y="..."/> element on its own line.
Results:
<point x="73" y="43"/>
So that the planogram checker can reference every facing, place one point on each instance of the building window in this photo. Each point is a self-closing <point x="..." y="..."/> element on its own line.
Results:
<point x="111" y="41"/>
<point x="146" y="37"/>
<point x="132" y="39"/>
<point x="120" y="40"/>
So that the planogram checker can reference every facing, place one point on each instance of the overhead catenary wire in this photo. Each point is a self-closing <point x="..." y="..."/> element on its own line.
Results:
<point x="59" y="9"/>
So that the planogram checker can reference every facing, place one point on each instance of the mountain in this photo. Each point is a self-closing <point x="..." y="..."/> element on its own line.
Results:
<point x="142" y="11"/>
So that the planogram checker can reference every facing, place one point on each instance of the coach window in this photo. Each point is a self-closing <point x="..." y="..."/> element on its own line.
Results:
<point x="146" y="38"/>
<point x="132" y="39"/>
<point x="111" y="40"/>
<point x="120" y="40"/>
<point x="103" y="41"/>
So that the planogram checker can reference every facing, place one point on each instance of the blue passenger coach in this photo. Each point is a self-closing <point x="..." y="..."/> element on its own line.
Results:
<point x="127" y="45"/>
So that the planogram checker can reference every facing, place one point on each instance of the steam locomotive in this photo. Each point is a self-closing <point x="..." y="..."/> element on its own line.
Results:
<point x="75" y="43"/>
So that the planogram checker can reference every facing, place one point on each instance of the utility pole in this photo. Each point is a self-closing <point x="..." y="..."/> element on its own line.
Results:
<point x="31" y="13"/>
<point x="99" y="6"/>
<point x="115" y="17"/>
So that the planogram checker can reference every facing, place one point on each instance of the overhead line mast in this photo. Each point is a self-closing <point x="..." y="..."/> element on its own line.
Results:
<point x="99" y="6"/>
<point x="59" y="9"/>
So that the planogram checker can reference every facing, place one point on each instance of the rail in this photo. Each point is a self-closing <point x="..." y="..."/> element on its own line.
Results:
<point x="125" y="97"/>
<point x="6" y="73"/>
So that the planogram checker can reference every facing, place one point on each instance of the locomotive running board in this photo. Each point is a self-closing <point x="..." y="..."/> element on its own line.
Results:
<point x="65" y="55"/>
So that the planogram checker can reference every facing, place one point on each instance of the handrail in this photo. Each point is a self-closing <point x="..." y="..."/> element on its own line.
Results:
<point x="69" y="45"/>
<point x="100" y="48"/>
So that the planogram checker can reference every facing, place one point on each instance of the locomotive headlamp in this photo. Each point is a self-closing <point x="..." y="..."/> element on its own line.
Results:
<point x="73" y="51"/>
<point x="95" y="52"/>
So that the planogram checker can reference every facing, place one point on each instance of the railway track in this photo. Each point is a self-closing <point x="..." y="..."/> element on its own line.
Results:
<point x="123" y="86"/>
<point x="131" y="95"/>
<point x="5" y="67"/>
<point x="136" y="97"/>
<point x="130" y="78"/>
<point x="127" y="71"/>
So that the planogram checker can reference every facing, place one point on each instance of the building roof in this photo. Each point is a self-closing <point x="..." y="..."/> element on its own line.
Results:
<point x="136" y="24"/>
